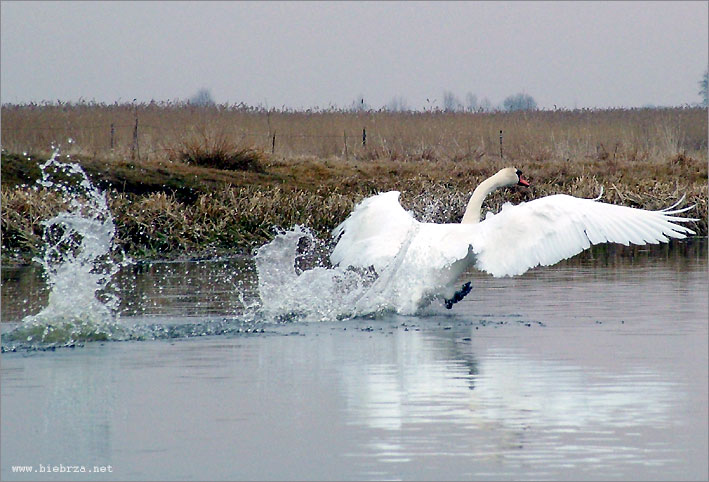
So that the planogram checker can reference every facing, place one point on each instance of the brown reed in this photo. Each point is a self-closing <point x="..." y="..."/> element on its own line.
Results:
<point x="167" y="203"/>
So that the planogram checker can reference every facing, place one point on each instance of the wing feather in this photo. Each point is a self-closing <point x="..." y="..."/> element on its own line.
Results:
<point x="540" y="232"/>
<point x="548" y="230"/>
<point x="373" y="234"/>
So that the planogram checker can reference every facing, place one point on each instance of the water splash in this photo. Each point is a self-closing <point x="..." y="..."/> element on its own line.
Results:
<point x="295" y="279"/>
<point x="79" y="260"/>
<point x="293" y="290"/>
<point x="290" y="291"/>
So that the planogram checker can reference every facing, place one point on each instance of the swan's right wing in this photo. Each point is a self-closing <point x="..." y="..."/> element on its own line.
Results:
<point x="373" y="234"/>
<point x="550" y="229"/>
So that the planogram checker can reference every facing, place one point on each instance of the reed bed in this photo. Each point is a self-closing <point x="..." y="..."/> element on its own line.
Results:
<point x="632" y="134"/>
<point x="204" y="181"/>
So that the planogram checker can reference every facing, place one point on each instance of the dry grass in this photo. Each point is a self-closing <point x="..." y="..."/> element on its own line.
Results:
<point x="635" y="135"/>
<point x="206" y="180"/>
<point x="216" y="150"/>
<point x="23" y="211"/>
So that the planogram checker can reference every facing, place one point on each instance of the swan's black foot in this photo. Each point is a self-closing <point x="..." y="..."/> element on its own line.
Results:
<point x="459" y="295"/>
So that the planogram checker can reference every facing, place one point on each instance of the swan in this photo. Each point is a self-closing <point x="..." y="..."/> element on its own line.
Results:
<point x="429" y="257"/>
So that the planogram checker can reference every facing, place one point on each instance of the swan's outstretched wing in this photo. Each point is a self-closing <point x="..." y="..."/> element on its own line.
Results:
<point x="547" y="230"/>
<point x="373" y="234"/>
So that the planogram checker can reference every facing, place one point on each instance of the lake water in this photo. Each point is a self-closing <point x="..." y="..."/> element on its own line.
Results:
<point x="592" y="369"/>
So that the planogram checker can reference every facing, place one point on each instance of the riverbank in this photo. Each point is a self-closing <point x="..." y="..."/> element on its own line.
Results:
<point x="212" y="194"/>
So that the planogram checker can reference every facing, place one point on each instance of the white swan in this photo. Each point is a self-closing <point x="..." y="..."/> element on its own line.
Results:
<point x="381" y="234"/>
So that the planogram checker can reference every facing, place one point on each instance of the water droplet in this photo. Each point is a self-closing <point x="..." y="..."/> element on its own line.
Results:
<point x="77" y="243"/>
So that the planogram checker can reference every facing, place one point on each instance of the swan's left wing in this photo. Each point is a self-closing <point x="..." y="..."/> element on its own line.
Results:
<point x="548" y="230"/>
<point x="373" y="234"/>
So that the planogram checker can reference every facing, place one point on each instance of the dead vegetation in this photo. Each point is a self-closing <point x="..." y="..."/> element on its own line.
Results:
<point x="204" y="184"/>
<point x="218" y="151"/>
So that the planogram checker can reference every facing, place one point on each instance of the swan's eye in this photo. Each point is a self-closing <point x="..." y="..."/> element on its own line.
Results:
<point x="519" y="173"/>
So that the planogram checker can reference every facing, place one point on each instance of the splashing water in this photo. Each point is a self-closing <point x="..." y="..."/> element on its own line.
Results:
<point x="323" y="293"/>
<point x="79" y="260"/>
<point x="295" y="279"/>
<point x="320" y="293"/>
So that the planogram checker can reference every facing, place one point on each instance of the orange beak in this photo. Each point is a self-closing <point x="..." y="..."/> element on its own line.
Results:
<point x="523" y="182"/>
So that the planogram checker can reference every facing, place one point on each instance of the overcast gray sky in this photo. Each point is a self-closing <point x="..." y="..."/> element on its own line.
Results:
<point x="302" y="54"/>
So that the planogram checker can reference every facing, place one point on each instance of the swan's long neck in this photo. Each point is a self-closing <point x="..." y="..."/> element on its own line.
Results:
<point x="472" y="212"/>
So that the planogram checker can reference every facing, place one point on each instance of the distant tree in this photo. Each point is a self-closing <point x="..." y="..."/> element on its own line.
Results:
<point x="397" y="104"/>
<point x="471" y="102"/>
<point x="519" y="102"/>
<point x="203" y="97"/>
<point x="451" y="103"/>
<point x="703" y="84"/>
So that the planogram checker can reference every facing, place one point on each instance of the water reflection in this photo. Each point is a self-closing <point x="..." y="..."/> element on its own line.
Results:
<point x="504" y="405"/>
<point x="438" y="399"/>
<point x="219" y="287"/>
<point x="418" y="385"/>
<point x="24" y="291"/>
<point x="195" y="288"/>
<point x="60" y="397"/>
<point x="582" y="371"/>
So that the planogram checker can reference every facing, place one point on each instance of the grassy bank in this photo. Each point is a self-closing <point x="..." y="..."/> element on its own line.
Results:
<point x="206" y="181"/>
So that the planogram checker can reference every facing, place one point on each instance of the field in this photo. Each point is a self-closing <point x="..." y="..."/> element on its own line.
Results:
<point x="193" y="181"/>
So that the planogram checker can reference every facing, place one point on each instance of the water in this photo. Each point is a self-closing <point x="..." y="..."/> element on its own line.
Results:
<point x="594" y="369"/>
<point x="79" y="261"/>
<point x="255" y="368"/>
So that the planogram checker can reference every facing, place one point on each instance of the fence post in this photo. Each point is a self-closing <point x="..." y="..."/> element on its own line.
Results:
<point x="113" y="134"/>
<point x="364" y="137"/>
<point x="135" y="153"/>
<point x="501" y="144"/>
<point x="345" y="135"/>
<point x="273" y="143"/>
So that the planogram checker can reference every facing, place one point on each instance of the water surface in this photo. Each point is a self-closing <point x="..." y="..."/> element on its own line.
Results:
<point x="593" y="369"/>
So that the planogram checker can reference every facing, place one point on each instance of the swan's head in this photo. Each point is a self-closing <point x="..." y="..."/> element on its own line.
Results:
<point x="511" y="176"/>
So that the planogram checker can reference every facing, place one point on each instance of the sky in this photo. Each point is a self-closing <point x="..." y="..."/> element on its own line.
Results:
<point x="318" y="54"/>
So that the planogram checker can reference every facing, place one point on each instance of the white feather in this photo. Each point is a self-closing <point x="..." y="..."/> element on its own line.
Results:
<point x="518" y="238"/>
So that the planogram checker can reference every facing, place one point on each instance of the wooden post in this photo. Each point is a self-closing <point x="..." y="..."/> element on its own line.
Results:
<point x="501" y="144"/>
<point x="345" y="135"/>
<point x="364" y="137"/>
<point x="113" y="135"/>
<point x="135" y="154"/>
<point x="273" y="143"/>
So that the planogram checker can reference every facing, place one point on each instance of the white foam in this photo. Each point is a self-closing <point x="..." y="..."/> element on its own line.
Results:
<point x="325" y="293"/>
